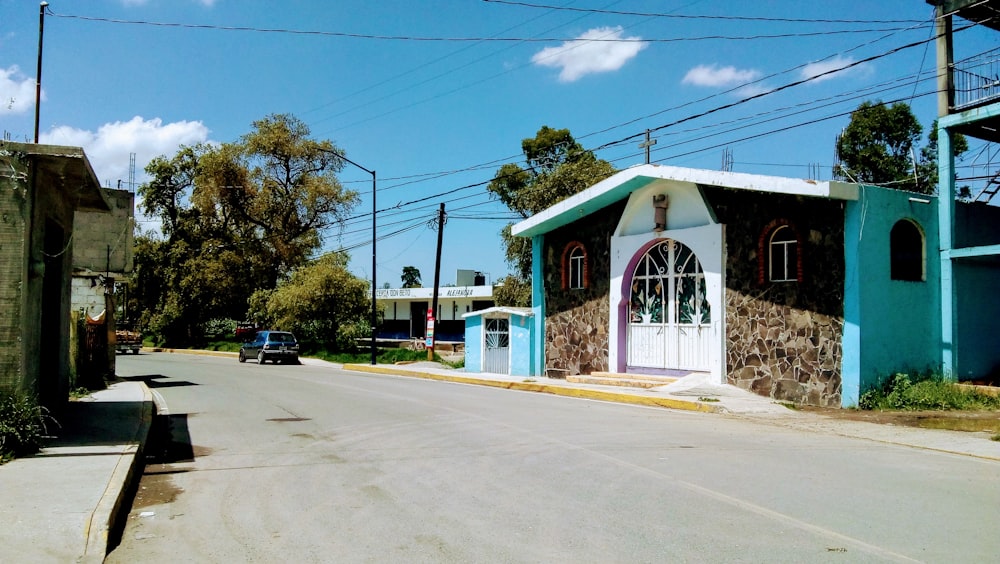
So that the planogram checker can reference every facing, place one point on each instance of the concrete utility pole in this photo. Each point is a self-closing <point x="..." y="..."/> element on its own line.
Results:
<point x="647" y="144"/>
<point x="437" y="279"/>
<point x="38" y="72"/>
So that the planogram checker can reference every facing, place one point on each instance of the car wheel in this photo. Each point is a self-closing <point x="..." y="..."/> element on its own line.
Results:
<point x="294" y="360"/>
<point x="243" y="356"/>
<point x="260" y="357"/>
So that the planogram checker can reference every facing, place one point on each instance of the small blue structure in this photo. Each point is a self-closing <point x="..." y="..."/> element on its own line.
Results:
<point x="498" y="340"/>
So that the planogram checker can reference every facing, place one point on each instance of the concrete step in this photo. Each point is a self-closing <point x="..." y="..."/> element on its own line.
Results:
<point x="624" y="380"/>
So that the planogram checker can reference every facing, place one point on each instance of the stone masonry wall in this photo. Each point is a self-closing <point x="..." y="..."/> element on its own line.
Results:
<point x="784" y="339"/>
<point x="576" y="324"/>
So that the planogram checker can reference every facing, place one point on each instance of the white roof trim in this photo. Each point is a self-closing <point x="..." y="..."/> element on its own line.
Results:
<point x="737" y="180"/>
<point x="521" y="311"/>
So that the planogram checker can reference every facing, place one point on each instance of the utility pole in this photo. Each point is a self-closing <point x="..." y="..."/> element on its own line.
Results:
<point x="38" y="75"/>
<point x="647" y="144"/>
<point x="437" y="278"/>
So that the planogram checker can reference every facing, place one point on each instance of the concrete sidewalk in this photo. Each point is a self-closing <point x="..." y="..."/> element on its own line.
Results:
<point x="61" y="504"/>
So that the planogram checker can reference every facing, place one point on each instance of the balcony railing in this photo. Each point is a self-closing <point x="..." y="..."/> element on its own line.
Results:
<point x="977" y="80"/>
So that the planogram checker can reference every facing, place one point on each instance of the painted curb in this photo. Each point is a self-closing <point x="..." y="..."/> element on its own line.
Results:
<point x="192" y="351"/>
<point x="582" y="393"/>
<point x="108" y="512"/>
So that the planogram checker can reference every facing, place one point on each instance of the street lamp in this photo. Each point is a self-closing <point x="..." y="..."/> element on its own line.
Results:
<point x="371" y="172"/>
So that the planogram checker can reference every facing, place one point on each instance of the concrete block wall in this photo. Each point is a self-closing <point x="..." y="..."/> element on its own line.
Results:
<point x="94" y="234"/>
<point x="13" y="253"/>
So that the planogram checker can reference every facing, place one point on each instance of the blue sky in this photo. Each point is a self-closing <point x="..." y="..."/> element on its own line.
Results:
<point x="435" y="95"/>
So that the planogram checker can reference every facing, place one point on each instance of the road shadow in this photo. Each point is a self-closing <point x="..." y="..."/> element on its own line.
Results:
<point x="169" y="441"/>
<point x="154" y="381"/>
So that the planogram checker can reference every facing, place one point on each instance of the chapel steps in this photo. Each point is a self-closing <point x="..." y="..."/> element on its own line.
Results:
<point x="620" y="379"/>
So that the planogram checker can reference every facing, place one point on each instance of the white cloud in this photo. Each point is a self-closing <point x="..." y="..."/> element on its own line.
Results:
<point x="583" y="55"/>
<point x="108" y="148"/>
<point x="816" y="69"/>
<point x="17" y="92"/>
<point x="716" y="76"/>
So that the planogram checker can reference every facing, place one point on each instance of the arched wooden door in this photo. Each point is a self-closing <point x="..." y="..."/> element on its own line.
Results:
<point x="669" y="325"/>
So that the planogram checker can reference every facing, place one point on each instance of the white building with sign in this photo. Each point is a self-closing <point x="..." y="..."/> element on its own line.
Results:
<point x="404" y="310"/>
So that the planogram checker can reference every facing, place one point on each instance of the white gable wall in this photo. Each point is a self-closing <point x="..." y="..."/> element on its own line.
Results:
<point x="689" y="221"/>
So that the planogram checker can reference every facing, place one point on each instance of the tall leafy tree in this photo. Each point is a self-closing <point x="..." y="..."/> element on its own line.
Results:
<point x="316" y="301"/>
<point x="556" y="166"/>
<point x="879" y="146"/>
<point x="235" y="218"/>
<point x="410" y="277"/>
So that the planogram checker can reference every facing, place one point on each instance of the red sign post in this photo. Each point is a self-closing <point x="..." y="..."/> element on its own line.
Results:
<point x="430" y="335"/>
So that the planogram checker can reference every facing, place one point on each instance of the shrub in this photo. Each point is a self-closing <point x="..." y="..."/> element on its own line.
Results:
<point x="22" y="425"/>
<point x="927" y="392"/>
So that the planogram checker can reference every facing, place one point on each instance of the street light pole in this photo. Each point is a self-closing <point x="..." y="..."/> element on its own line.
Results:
<point x="374" y="319"/>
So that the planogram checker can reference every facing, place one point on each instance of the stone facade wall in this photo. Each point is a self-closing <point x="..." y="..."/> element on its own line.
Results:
<point x="784" y="340"/>
<point x="576" y="323"/>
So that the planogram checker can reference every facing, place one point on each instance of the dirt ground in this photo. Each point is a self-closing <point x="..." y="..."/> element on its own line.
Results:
<point x="950" y="420"/>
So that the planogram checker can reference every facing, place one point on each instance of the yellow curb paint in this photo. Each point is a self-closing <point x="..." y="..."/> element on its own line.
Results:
<point x="581" y="393"/>
<point x="192" y="351"/>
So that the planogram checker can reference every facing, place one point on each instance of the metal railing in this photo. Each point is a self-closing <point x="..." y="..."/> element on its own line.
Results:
<point x="977" y="79"/>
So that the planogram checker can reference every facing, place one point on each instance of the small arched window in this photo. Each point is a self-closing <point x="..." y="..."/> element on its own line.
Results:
<point x="906" y="252"/>
<point x="779" y="253"/>
<point x="574" y="267"/>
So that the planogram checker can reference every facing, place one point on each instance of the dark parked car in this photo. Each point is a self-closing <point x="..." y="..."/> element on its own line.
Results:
<point x="276" y="346"/>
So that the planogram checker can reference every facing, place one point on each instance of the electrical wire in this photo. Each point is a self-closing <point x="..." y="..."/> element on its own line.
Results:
<point x="691" y="17"/>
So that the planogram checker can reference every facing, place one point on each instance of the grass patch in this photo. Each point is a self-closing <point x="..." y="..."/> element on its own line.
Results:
<point x="79" y="393"/>
<point x="226" y="346"/>
<point x="707" y="399"/>
<point x="384" y="356"/>
<point x="456" y="364"/>
<point x="925" y="392"/>
<point x="22" y="425"/>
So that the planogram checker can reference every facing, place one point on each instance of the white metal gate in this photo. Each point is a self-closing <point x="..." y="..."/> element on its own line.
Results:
<point x="496" y="346"/>
<point x="669" y="315"/>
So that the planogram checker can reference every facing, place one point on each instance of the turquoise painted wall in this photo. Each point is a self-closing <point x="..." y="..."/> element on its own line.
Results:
<point x="474" y="343"/>
<point x="521" y="335"/>
<point x="889" y="325"/>
<point x="978" y="318"/>
<point x="977" y="309"/>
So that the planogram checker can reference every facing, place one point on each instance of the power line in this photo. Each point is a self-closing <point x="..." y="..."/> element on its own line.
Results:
<point x="693" y="17"/>
<point x="415" y="38"/>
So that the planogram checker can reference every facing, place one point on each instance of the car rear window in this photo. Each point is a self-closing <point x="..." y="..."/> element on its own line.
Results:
<point x="282" y="337"/>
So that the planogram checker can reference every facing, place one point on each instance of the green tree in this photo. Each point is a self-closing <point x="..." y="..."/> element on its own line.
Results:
<point x="410" y="277"/>
<point x="556" y="167"/>
<point x="878" y="146"/>
<point x="317" y="301"/>
<point x="927" y="167"/>
<point x="235" y="218"/>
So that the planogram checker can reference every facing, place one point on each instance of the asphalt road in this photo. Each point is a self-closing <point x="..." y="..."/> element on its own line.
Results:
<point x="312" y="464"/>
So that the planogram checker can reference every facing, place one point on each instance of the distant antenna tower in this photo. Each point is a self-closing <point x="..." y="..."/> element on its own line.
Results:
<point x="131" y="172"/>
<point x="727" y="159"/>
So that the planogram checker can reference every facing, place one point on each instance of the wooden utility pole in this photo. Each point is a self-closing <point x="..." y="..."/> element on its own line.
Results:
<point x="437" y="278"/>
<point x="38" y="71"/>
